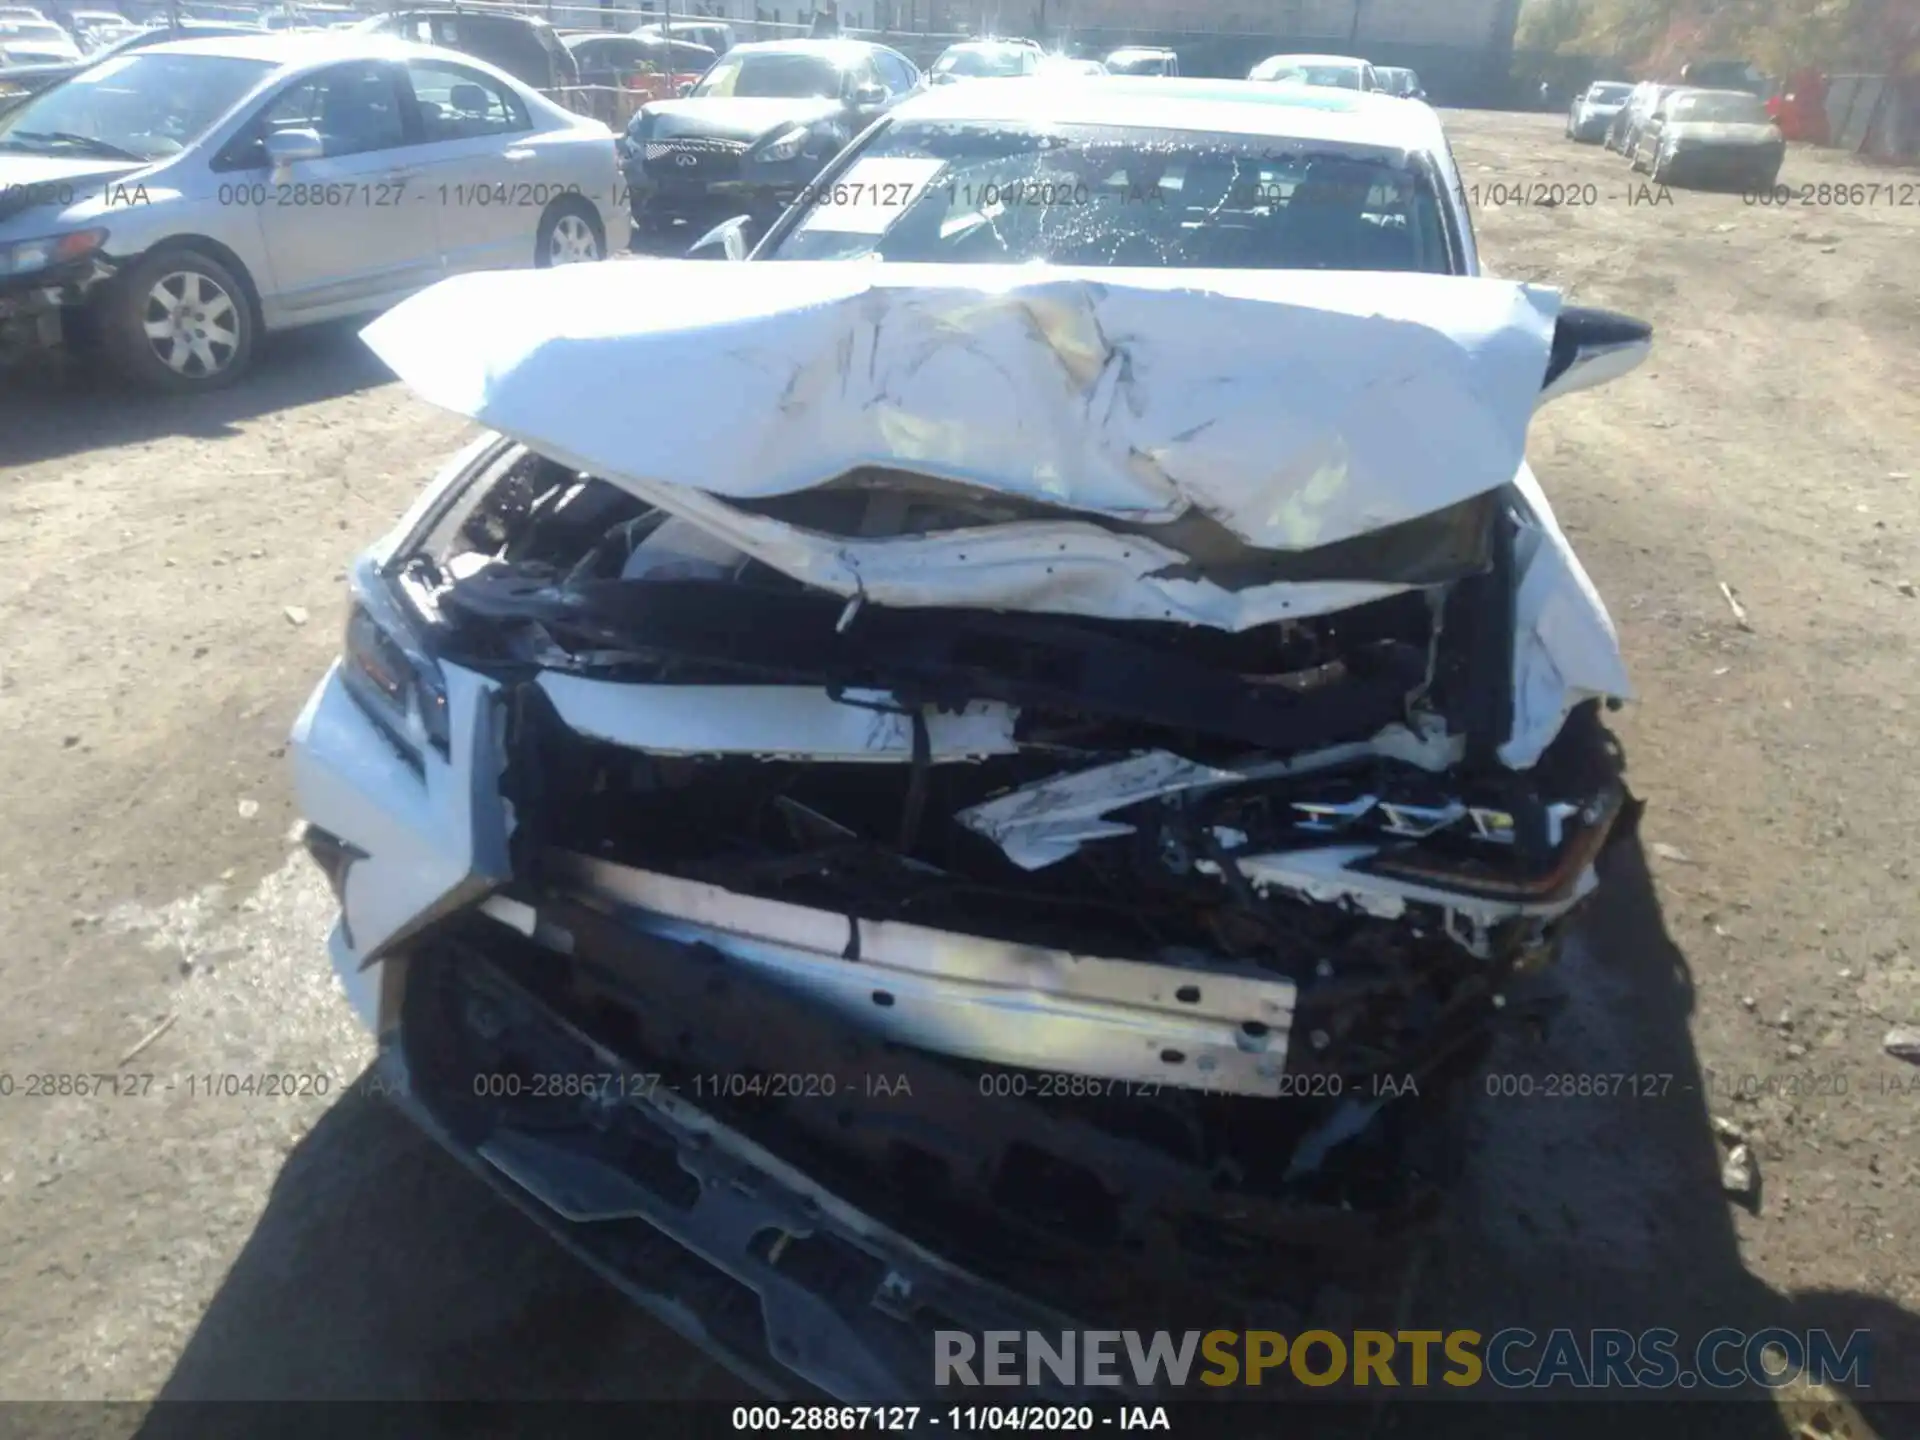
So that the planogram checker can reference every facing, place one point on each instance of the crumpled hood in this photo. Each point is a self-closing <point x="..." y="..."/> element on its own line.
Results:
<point x="1292" y="409"/>
<point x="1295" y="408"/>
<point x="747" y="118"/>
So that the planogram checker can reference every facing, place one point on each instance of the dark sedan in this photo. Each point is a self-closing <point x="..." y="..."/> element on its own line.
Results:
<point x="1711" y="137"/>
<point x="757" y="128"/>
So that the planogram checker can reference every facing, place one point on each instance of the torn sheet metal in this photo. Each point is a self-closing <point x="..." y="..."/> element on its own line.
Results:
<point x="1215" y="1027"/>
<point x="1565" y="649"/>
<point x="784" y="721"/>
<point x="1040" y="824"/>
<point x="1328" y="875"/>
<point x="1047" y="821"/>
<point x="1296" y="409"/>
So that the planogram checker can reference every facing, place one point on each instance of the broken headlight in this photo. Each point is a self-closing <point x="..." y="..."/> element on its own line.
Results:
<point x="388" y="671"/>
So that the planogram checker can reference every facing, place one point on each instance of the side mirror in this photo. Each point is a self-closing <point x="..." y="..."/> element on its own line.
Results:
<point x="685" y="88"/>
<point x="726" y="241"/>
<point x="286" y="147"/>
<point x="869" y="97"/>
<point x="1591" y="347"/>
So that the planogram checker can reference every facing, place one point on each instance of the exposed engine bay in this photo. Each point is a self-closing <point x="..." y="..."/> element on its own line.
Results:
<point x="1125" y="959"/>
<point x="1150" y="1009"/>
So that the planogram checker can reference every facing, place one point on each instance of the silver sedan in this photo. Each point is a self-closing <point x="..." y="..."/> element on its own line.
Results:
<point x="182" y="199"/>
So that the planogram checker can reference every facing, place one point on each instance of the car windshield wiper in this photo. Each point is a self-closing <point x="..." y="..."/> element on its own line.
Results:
<point x="82" y="142"/>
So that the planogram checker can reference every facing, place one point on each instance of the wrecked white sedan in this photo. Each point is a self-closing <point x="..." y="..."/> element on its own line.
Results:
<point x="1023" y="812"/>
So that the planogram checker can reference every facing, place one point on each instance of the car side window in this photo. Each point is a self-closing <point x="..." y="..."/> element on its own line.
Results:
<point x="859" y="73"/>
<point x="895" y="72"/>
<point x="456" y="103"/>
<point x="888" y="71"/>
<point x="353" y="108"/>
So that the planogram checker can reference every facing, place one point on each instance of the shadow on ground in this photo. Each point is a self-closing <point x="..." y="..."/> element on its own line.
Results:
<point x="380" y="1269"/>
<point x="53" y="405"/>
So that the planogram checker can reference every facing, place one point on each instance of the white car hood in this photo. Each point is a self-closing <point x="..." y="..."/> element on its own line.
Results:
<point x="1297" y="409"/>
<point x="1294" y="408"/>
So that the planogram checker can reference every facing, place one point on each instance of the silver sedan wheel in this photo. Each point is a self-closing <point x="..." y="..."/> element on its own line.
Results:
<point x="192" y="323"/>
<point x="572" y="241"/>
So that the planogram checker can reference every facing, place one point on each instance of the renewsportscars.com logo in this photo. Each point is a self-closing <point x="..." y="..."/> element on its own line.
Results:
<point x="1511" y="1359"/>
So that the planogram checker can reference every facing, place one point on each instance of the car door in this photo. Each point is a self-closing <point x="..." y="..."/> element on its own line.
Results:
<point x="1651" y="129"/>
<point x="348" y="227"/>
<point x="480" y="175"/>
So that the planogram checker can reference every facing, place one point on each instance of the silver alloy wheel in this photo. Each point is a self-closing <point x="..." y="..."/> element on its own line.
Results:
<point x="192" y="323"/>
<point x="572" y="241"/>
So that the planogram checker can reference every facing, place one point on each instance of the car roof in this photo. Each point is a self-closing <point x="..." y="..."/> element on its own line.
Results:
<point x="1243" y="107"/>
<point x="446" y="12"/>
<point x="991" y="45"/>
<point x="830" y="49"/>
<point x="1694" y="92"/>
<point x="302" y="47"/>
<point x="1141" y="50"/>
<point x="1303" y="59"/>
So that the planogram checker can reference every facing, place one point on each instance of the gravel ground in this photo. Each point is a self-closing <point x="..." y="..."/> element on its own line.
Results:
<point x="174" y="587"/>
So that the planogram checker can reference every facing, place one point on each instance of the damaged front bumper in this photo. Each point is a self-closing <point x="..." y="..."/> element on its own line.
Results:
<point x="35" y="309"/>
<point x="797" y="1291"/>
<point x="1209" y="1071"/>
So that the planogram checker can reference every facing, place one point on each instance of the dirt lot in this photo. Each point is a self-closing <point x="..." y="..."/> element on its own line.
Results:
<point x="174" y="586"/>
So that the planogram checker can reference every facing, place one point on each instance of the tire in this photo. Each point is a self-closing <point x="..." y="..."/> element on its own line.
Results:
<point x="570" y="233"/>
<point x="180" y="322"/>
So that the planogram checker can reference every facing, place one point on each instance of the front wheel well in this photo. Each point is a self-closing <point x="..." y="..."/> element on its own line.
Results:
<point x="571" y="203"/>
<point x="214" y="250"/>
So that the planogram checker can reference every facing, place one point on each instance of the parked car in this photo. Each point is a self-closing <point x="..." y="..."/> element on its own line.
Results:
<point x="1065" y="65"/>
<point x="20" y="12"/>
<point x="757" y="128"/>
<point x="1711" y="137"/>
<point x="19" y="81"/>
<point x="984" y="60"/>
<point x="35" y="42"/>
<point x="819" y="685"/>
<point x="648" y="63"/>
<point x="1593" y="110"/>
<point x="526" y="47"/>
<point x="95" y="30"/>
<point x="1338" y="72"/>
<point x="191" y="195"/>
<point x="1398" y="80"/>
<point x="1142" y="60"/>
<point x="715" y="37"/>
<point x="1623" y="131"/>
